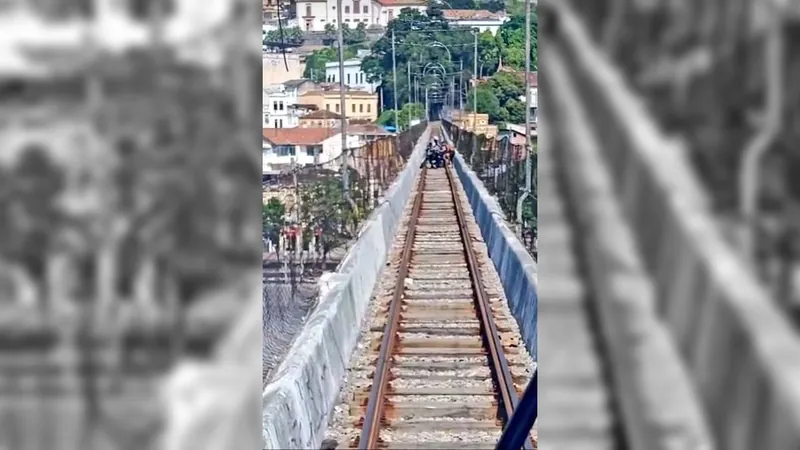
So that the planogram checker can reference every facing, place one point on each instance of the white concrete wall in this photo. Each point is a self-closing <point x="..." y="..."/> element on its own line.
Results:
<point x="320" y="15"/>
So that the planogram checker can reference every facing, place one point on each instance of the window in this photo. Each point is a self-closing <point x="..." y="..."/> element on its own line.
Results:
<point x="366" y="9"/>
<point x="281" y="105"/>
<point x="391" y="15"/>
<point x="347" y="10"/>
<point x="274" y="106"/>
<point x="314" y="149"/>
<point x="356" y="6"/>
<point x="369" y="108"/>
<point x="347" y="20"/>
<point x="348" y="78"/>
<point x="327" y="106"/>
<point x="308" y="9"/>
<point x="361" y="108"/>
<point x="354" y="107"/>
<point x="285" y="150"/>
<point x="337" y="107"/>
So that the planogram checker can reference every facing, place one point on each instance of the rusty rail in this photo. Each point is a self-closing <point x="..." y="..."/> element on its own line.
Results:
<point x="371" y="427"/>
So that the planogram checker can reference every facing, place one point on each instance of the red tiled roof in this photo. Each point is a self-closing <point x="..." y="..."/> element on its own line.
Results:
<point x="297" y="136"/>
<point x="371" y="129"/>
<point x="402" y="2"/>
<point x="322" y="114"/>
<point x="471" y="14"/>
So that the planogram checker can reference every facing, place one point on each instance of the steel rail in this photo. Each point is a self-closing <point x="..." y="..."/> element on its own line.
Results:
<point x="491" y="338"/>
<point x="370" y="431"/>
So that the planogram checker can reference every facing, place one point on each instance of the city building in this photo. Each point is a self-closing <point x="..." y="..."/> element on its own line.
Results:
<point x="533" y="80"/>
<point x="481" y="19"/>
<point x="368" y="133"/>
<point x="477" y="123"/>
<point x="384" y="11"/>
<point x="282" y="147"/>
<point x="278" y="102"/>
<point x="314" y="15"/>
<point x="354" y="77"/>
<point x="321" y="119"/>
<point x="274" y="67"/>
<point x="359" y="105"/>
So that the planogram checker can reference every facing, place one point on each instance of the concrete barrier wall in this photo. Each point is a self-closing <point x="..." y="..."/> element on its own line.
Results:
<point x="297" y="404"/>
<point x="515" y="265"/>
<point x="740" y="349"/>
<point x="657" y="402"/>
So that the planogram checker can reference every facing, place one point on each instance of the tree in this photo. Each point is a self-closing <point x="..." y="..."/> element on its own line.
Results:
<point x="272" y="214"/>
<point x="284" y="38"/>
<point x="315" y="62"/>
<point x="512" y="40"/>
<point x="414" y="110"/>
<point x="499" y="97"/>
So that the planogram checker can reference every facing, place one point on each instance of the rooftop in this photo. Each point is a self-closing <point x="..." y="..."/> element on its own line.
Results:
<point x="295" y="83"/>
<point x="322" y="114"/>
<point x="347" y="62"/>
<point x="402" y="2"/>
<point x="472" y="14"/>
<point x="350" y="92"/>
<point x="370" y="130"/>
<point x="297" y="136"/>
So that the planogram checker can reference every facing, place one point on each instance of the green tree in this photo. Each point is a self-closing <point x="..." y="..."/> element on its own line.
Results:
<point x="315" y="62"/>
<point x="283" y="38"/>
<point x="272" y="214"/>
<point x="413" y="110"/>
<point x="512" y="40"/>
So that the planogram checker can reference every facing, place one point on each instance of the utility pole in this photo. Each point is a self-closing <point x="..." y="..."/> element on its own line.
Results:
<point x="474" y="101"/>
<point x="528" y="145"/>
<point x="394" y="86"/>
<point x="342" y="107"/>
<point x="408" y="71"/>
<point x="461" y="86"/>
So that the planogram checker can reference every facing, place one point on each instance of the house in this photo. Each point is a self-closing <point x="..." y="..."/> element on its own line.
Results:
<point x="321" y="119"/>
<point x="274" y="67"/>
<point x="367" y="133"/>
<point x="314" y="15"/>
<point x="282" y="147"/>
<point x="384" y="11"/>
<point x="359" y="105"/>
<point x="533" y="84"/>
<point x="278" y="100"/>
<point x="481" y="19"/>
<point x="477" y="123"/>
<point x="354" y="77"/>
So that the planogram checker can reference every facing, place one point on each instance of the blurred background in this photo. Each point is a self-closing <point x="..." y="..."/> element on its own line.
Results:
<point x="129" y="231"/>
<point x="670" y="177"/>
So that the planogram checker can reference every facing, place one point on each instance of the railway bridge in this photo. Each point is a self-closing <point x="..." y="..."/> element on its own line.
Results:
<point x="648" y="330"/>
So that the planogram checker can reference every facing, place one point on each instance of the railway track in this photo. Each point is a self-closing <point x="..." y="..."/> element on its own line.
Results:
<point x="441" y="364"/>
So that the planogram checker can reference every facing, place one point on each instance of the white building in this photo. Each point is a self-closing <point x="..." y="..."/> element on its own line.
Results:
<point x="354" y="77"/>
<point x="302" y="146"/>
<point x="533" y="81"/>
<point x="384" y="11"/>
<point x="483" y="20"/>
<point x="313" y="15"/>
<point x="279" y="101"/>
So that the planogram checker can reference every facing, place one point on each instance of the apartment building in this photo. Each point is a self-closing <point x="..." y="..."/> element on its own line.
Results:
<point x="321" y="119"/>
<point x="279" y="101"/>
<point x="354" y="77"/>
<point x="384" y="11"/>
<point x="359" y="105"/>
<point x="282" y="147"/>
<point x="477" y="123"/>
<point x="482" y="20"/>
<point x="314" y="15"/>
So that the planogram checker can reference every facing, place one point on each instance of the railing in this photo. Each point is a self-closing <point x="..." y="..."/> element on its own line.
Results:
<point x="521" y="423"/>
<point x="500" y="165"/>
